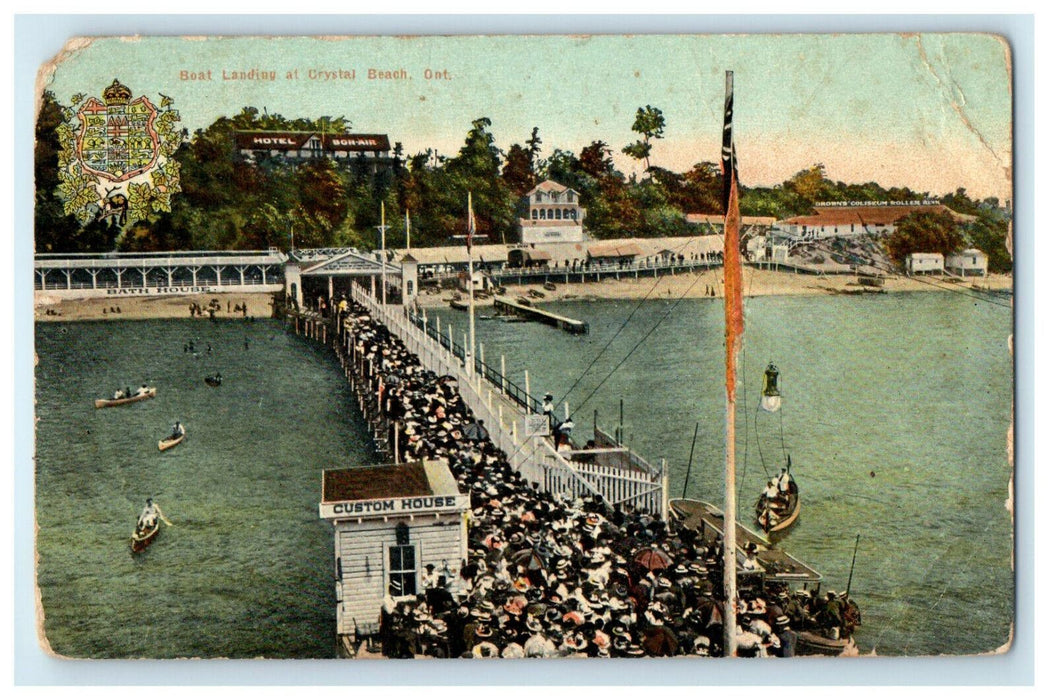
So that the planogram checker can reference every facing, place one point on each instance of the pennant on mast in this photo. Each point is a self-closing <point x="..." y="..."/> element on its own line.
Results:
<point x="732" y="245"/>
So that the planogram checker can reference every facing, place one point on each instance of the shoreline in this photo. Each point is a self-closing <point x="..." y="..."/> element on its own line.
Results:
<point x="690" y="286"/>
<point x="756" y="283"/>
<point x="258" y="305"/>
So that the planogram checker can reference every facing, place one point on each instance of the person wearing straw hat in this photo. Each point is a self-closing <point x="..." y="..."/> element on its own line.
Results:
<point x="786" y="637"/>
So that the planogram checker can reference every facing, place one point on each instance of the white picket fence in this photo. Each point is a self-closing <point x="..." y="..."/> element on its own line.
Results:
<point x="534" y="457"/>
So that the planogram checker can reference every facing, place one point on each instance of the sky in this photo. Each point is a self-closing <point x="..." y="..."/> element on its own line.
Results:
<point x="928" y="111"/>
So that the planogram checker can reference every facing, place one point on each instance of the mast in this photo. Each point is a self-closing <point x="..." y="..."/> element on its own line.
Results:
<point x="734" y="329"/>
<point x="384" y="264"/>
<point x="471" y="231"/>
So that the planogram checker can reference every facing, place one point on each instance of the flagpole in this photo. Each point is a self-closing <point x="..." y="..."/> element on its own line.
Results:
<point x="407" y="226"/>
<point x="384" y="276"/>
<point x="470" y="231"/>
<point x="734" y="328"/>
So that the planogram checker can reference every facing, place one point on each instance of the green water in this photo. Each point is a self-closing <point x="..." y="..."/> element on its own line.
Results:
<point x="914" y="387"/>
<point x="246" y="569"/>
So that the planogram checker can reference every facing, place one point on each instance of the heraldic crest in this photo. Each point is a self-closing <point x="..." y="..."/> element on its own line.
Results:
<point x="116" y="156"/>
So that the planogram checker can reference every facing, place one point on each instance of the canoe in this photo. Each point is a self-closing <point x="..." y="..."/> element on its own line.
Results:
<point x="213" y="381"/>
<point x="107" y="403"/>
<point x="550" y="286"/>
<point x="141" y="539"/>
<point x="170" y="442"/>
<point x="784" y="514"/>
<point x="459" y="305"/>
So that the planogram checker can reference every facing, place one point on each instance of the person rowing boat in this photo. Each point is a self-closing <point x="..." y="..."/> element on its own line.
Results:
<point x="177" y="431"/>
<point x="149" y="517"/>
<point x="147" y="526"/>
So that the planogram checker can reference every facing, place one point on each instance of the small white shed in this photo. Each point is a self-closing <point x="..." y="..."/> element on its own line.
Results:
<point x="924" y="263"/>
<point x="968" y="263"/>
<point x="389" y="523"/>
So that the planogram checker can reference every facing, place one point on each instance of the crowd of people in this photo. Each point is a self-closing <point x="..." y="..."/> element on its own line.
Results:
<point x="552" y="576"/>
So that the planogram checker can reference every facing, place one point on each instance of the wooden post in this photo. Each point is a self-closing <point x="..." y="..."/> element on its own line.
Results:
<point x="527" y="394"/>
<point x="502" y="370"/>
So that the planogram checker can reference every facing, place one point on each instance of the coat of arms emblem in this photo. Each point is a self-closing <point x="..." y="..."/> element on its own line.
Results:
<point x="117" y="138"/>
<point x="116" y="160"/>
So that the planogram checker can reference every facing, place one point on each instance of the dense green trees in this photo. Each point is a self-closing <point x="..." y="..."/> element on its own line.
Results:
<point x="924" y="232"/>
<point x="229" y="203"/>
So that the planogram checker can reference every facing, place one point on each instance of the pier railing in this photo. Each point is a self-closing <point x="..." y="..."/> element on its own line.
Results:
<point x="504" y="409"/>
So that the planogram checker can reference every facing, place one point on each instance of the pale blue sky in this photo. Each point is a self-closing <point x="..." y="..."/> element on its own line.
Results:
<point x="931" y="111"/>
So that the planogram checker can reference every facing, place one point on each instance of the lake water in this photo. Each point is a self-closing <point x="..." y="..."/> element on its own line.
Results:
<point x="915" y="388"/>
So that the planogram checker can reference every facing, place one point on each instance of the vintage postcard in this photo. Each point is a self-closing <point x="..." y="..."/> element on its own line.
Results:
<point x="524" y="347"/>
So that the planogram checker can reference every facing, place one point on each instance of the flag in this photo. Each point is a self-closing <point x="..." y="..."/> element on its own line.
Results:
<point x="732" y="244"/>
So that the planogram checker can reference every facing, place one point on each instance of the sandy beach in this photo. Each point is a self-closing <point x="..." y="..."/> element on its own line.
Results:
<point x="756" y="283"/>
<point x="258" y="305"/>
<point x="692" y="286"/>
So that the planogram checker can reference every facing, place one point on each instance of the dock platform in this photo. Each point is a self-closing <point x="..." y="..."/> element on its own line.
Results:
<point x="778" y="565"/>
<point x="505" y="305"/>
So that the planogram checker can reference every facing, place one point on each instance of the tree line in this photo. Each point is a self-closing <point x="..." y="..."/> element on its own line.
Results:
<point x="229" y="202"/>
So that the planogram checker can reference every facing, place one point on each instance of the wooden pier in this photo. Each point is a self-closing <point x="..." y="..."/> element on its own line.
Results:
<point x="507" y="306"/>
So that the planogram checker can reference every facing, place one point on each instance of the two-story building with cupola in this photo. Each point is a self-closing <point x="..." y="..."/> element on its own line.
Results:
<point x="554" y="215"/>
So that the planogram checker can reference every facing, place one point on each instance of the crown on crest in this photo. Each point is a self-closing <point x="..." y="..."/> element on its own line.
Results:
<point x="117" y="94"/>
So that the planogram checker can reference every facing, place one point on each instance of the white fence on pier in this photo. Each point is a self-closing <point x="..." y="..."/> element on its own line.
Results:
<point x="534" y="456"/>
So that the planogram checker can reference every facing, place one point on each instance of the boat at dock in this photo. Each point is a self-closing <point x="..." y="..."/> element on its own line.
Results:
<point x="459" y="305"/>
<point x="778" y="511"/>
<point x="776" y="566"/>
<point x="107" y="403"/>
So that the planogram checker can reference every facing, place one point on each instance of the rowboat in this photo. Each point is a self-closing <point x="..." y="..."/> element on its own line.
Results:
<point x="776" y="514"/>
<point x="777" y="565"/>
<point x="459" y="305"/>
<point x="107" y="403"/>
<point x="142" y="537"/>
<point x="214" y="380"/>
<point x="810" y="643"/>
<point x="172" y="440"/>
